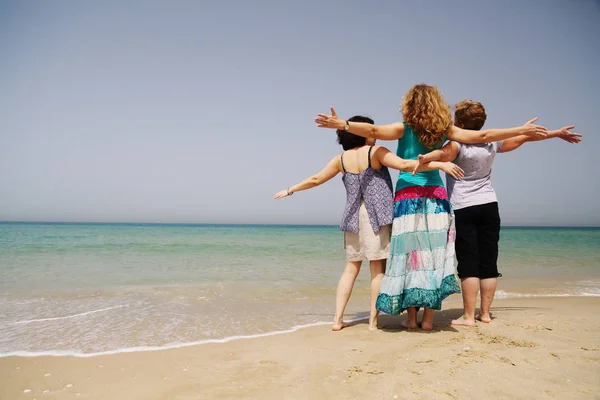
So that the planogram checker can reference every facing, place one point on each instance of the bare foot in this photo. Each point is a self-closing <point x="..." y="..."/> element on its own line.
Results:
<point x="426" y="325"/>
<point x="373" y="324"/>
<point x="462" y="321"/>
<point x="427" y="320"/>
<point x="409" y="324"/>
<point x="484" y="318"/>
<point x="339" y="326"/>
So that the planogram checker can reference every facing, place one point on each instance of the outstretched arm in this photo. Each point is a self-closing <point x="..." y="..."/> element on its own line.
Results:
<point x="384" y="132"/>
<point x="493" y="135"/>
<point x="563" y="133"/>
<point x="391" y="160"/>
<point x="514" y="143"/>
<point x="331" y="169"/>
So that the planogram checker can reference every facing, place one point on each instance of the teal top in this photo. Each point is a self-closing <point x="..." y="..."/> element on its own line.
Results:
<point x="409" y="148"/>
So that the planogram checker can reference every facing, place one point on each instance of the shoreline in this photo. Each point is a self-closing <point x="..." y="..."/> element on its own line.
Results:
<point x="454" y="300"/>
<point x="544" y="347"/>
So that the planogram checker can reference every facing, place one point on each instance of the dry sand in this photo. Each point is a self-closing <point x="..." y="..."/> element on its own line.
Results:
<point x="535" y="349"/>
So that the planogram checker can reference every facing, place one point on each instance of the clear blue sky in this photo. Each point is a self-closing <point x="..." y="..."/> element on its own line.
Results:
<point x="199" y="111"/>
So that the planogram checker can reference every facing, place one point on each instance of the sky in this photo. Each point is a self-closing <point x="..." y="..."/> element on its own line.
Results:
<point x="200" y="111"/>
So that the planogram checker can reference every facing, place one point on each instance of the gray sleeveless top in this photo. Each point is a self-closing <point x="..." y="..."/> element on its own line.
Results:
<point x="374" y="187"/>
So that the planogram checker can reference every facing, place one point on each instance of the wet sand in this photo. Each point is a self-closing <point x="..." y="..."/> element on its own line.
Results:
<point x="544" y="348"/>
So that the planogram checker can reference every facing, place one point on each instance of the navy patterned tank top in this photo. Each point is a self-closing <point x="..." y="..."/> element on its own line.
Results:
<point x="374" y="187"/>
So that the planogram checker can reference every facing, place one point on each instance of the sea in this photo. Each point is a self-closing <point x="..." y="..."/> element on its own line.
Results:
<point x="89" y="289"/>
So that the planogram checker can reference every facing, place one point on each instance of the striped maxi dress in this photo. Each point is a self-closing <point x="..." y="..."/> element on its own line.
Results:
<point x="420" y="270"/>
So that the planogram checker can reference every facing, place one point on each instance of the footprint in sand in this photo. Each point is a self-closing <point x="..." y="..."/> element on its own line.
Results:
<point x="506" y="360"/>
<point x="497" y="339"/>
<point x="374" y="372"/>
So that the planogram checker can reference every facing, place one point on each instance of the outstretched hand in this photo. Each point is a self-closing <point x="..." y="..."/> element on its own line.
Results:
<point x="328" y="121"/>
<point x="281" y="194"/>
<point x="568" y="136"/>
<point x="532" y="129"/>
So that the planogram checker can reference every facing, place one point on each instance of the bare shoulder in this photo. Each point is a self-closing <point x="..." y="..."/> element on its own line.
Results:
<point x="336" y="161"/>
<point x="380" y="150"/>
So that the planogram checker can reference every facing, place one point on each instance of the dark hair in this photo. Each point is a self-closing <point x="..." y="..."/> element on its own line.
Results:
<point x="350" y="140"/>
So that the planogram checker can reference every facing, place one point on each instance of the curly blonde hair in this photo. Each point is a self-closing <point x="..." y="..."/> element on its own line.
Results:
<point x="425" y="110"/>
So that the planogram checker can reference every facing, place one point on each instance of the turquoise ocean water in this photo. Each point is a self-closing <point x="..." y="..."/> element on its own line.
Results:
<point x="95" y="288"/>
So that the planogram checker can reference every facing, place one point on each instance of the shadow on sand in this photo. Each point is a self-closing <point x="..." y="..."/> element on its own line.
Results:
<point x="441" y="322"/>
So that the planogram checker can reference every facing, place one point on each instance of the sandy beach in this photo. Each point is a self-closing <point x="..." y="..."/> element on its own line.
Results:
<point x="535" y="348"/>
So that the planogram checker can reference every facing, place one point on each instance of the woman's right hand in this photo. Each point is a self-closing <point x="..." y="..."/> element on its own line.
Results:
<point x="453" y="170"/>
<point x="531" y="129"/>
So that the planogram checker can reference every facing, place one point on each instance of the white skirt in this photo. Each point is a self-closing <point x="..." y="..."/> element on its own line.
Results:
<point x="366" y="244"/>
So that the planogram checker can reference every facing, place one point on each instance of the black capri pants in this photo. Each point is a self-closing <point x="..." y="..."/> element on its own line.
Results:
<point x="477" y="236"/>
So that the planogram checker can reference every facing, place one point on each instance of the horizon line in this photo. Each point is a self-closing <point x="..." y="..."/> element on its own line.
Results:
<point x="5" y="222"/>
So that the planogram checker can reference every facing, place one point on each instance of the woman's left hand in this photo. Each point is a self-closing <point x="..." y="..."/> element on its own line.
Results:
<point x="329" y="121"/>
<point x="282" y="194"/>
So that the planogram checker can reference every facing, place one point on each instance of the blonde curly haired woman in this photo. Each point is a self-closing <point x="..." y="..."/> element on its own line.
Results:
<point x="420" y="271"/>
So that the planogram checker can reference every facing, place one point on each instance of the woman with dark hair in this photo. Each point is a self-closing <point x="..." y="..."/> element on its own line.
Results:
<point x="368" y="214"/>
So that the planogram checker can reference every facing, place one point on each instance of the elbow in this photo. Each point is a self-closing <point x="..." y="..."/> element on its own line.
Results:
<point x="375" y="132"/>
<point x="482" y="137"/>
<point x="315" y="181"/>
